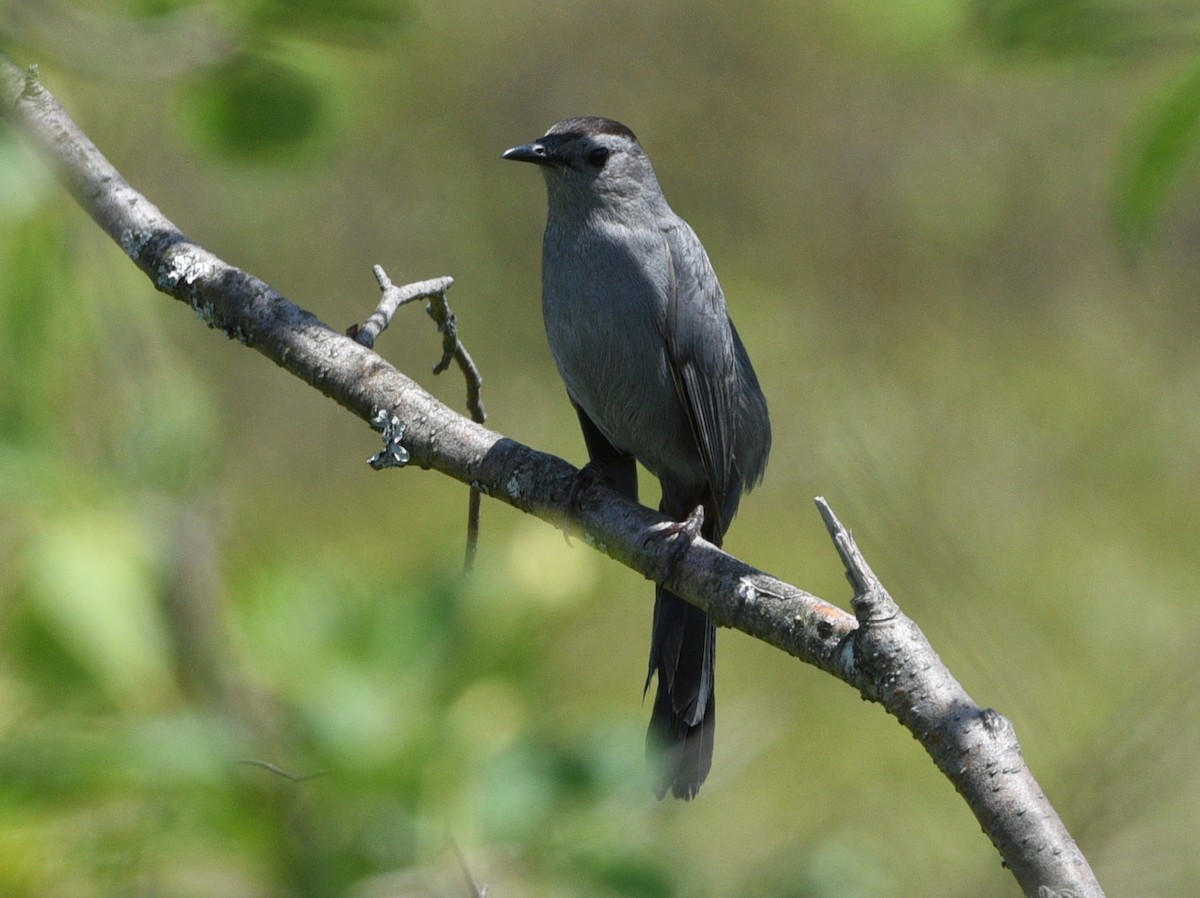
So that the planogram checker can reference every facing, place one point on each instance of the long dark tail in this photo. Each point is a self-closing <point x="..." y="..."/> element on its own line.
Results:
<point x="679" y="742"/>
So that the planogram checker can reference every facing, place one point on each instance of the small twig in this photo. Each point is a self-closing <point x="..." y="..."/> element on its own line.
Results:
<point x="279" y="771"/>
<point x="473" y="503"/>
<point x="452" y="351"/>
<point x="392" y="299"/>
<point x="476" y="890"/>
<point x="872" y="603"/>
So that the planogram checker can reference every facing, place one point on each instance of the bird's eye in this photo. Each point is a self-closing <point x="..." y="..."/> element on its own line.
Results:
<point x="597" y="157"/>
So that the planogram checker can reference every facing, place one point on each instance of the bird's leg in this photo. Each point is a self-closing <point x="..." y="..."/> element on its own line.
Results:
<point x="682" y="533"/>
<point x="608" y="466"/>
<point x="594" y="473"/>
<point x="597" y="472"/>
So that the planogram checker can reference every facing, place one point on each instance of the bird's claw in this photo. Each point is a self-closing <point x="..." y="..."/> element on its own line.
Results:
<point x="682" y="534"/>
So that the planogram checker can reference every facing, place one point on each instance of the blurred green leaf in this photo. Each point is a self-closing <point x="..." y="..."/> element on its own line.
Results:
<point x="93" y="586"/>
<point x="1061" y="27"/>
<point x="255" y="110"/>
<point x="625" y="874"/>
<point x="1158" y="156"/>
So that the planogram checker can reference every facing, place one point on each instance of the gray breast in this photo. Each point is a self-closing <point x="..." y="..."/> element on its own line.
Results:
<point x="604" y="309"/>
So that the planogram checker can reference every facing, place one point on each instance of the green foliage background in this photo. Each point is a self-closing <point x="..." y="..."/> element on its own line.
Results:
<point x="960" y="241"/>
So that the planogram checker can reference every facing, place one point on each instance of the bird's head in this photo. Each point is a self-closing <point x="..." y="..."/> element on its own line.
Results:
<point x="591" y="162"/>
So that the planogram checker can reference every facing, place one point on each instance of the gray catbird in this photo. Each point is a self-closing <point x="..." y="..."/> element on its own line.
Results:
<point x="657" y="373"/>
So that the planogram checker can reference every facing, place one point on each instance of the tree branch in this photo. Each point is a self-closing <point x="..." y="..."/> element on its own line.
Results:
<point x="879" y="651"/>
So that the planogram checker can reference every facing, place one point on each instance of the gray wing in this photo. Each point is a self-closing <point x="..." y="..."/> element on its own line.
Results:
<point x="701" y="349"/>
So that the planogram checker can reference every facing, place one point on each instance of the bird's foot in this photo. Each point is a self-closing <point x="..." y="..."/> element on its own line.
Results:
<point x="682" y="534"/>
<point x="591" y="474"/>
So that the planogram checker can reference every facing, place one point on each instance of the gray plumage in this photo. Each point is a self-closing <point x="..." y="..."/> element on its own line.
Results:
<point x="639" y="331"/>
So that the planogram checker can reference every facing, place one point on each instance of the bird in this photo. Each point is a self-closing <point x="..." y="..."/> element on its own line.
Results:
<point x="654" y="367"/>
